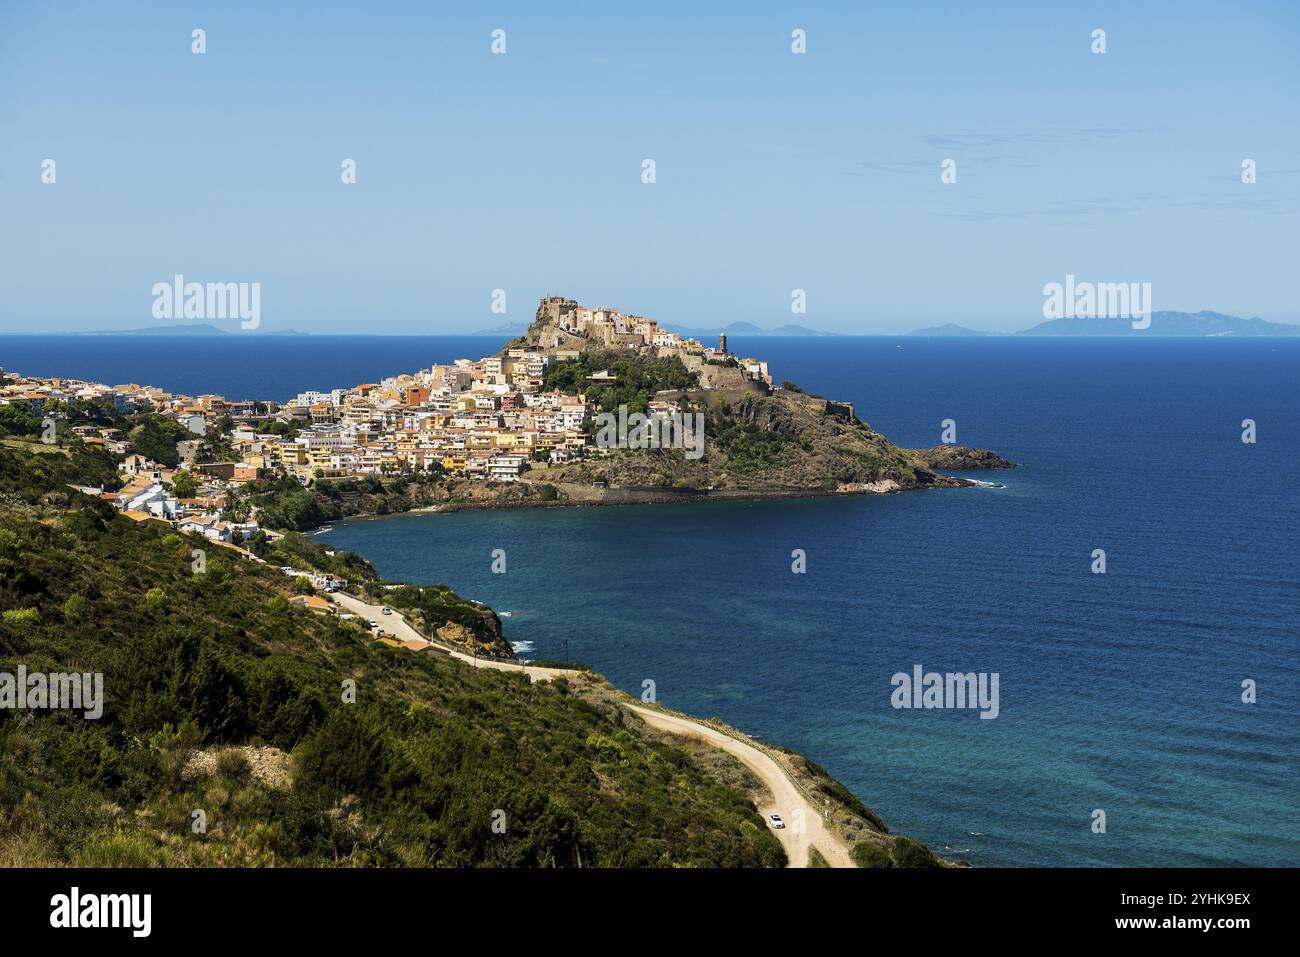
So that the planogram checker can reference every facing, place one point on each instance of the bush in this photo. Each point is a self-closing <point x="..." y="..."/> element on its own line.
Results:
<point x="75" y="608"/>
<point x="22" y="616"/>
<point x="910" y="853"/>
<point x="118" y="850"/>
<point x="231" y="763"/>
<point x="867" y="854"/>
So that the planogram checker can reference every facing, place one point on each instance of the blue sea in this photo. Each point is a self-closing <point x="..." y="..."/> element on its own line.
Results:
<point x="1119" y="692"/>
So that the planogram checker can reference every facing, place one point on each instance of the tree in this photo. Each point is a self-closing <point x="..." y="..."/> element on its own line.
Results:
<point x="16" y="420"/>
<point x="156" y="439"/>
<point x="183" y="485"/>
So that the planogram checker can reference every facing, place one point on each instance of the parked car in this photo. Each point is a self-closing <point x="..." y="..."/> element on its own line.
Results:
<point x="386" y="610"/>
<point x="776" y="820"/>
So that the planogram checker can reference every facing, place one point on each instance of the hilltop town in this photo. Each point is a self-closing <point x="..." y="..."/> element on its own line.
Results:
<point x="564" y="329"/>
<point x="511" y="428"/>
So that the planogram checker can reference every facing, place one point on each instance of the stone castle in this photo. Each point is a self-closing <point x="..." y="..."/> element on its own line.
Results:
<point x="562" y="326"/>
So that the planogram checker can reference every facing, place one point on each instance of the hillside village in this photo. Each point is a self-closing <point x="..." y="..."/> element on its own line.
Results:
<point x="487" y="419"/>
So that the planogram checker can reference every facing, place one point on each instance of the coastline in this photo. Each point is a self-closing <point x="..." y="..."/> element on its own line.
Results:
<point x="830" y="820"/>
<point x="842" y="821"/>
<point x="618" y="497"/>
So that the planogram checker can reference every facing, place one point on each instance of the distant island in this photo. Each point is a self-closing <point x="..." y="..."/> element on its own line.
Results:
<point x="1163" y="324"/>
<point x="749" y="329"/>
<point x="1203" y="323"/>
<point x="182" y="329"/>
<point x="951" y="329"/>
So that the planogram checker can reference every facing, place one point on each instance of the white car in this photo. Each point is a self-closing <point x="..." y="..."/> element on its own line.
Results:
<point x="373" y="623"/>
<point x="386" y="610"/>
<point x="776" y="820"/>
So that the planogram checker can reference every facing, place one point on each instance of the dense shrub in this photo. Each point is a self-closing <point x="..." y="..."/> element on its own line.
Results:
<point x="910" y="853"/>
<point x="868" y="854"/>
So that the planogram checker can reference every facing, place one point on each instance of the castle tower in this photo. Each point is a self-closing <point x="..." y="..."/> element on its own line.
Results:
<point x="722" y="343"/>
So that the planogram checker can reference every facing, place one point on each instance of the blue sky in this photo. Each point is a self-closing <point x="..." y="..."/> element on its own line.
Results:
<point x="522" y="172"/>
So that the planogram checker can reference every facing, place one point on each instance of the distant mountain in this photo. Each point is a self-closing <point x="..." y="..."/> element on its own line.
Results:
<point x="1204" y="323"/>
<point x="189" y="329"/>
<point x="747" y="329"/>
<point x="192" y="329"/>
<point x="951" y="329"/>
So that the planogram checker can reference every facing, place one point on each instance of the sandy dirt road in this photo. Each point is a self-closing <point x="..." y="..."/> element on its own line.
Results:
<point x="397" y="626"/>
<point x="804" y="826"/>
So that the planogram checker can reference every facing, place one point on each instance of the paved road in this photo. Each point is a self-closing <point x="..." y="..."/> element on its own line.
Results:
<point x="804" y="827"/>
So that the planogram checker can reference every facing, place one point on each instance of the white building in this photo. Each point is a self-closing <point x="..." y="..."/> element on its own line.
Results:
<point x="506" y="468"/>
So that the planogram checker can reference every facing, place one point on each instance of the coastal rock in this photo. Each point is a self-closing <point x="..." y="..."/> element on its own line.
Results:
<point x="960" y="459"/>
<point x="489" y="645"/>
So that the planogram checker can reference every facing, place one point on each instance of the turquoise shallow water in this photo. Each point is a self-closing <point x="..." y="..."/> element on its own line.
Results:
<point x="1117" y="691"/>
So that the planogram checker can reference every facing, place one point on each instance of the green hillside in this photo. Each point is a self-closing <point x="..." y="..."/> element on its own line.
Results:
<point x="221" y="698"/>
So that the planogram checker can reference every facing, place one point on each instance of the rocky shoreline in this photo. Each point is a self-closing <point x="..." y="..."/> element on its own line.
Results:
<point x="478" y="496"/>
<point x="961" y="459"/>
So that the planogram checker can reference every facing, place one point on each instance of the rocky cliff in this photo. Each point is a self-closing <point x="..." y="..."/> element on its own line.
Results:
<point x="961" y="459"/>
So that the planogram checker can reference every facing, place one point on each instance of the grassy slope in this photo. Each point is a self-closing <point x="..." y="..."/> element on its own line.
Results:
<point x="404" y="776"/>
<point x="412" y="773"/>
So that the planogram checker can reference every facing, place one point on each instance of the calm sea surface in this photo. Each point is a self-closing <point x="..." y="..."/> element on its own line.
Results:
<point x="1119" y="692"/>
